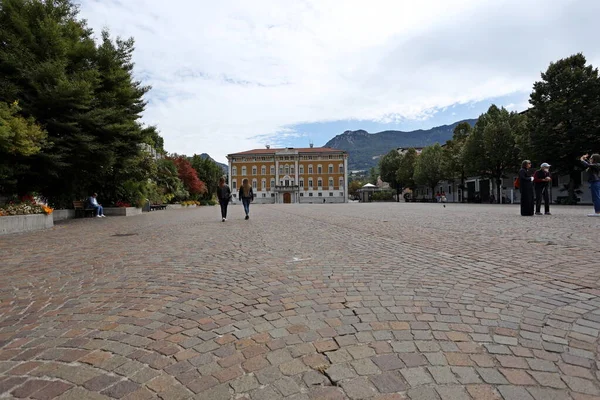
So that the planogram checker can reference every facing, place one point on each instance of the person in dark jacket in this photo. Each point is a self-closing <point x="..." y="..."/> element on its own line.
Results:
<point x="541" y="182"/>
<point x="247" y="195"/>
<point x="224" y="196"/>
<point x="526" y="188"/>
<point x="592" y="164"/>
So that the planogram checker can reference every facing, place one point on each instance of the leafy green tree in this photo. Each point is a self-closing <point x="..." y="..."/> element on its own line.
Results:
<point x="373" y="175"/>
<point x="353" y="187"/>
<point x="209" y="172"/>
<point x="20" y="138"/>
<point x="453" y="154"/>
<point x="564" y="121"/>
<point x="389" y="165"/>
<point x="491" y="149"/>
<point x="406" y="169"/>
<point x="429" y="168"/>
<point x="167" y="179"/>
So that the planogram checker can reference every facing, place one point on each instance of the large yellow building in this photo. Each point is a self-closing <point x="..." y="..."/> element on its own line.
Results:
<point x="291" y="175"/>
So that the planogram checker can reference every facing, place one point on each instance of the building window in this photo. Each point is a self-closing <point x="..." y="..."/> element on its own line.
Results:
<point x="330" y="194"/>
<point x="292" y="169"/>
<point x="341" y="182"/>
<point x="272" y="183"/>
<point x="281" y="169"/>
<point x="264" y="195"/>
<point x="320" y="194"/>
<point x="319" y="182"/>
<point x="310" y="169"/>
<point x="272" y="170"/>
<point x="234" y="171"/>
<point x="263" y="184"/>
<point x="331" y="168"/>
<point x="272" y="194"/>
<point x="301" y="194"/>
<point x="287" y="169"/>
<point x="310" y="183"/>
<point x="254" y="183"/>
<point x="243" y="171"/>
<point x="263" y="170"/>
<point x="234" y="184"/>
<point x="331" y="181"/>
<point x="254" y="169"/>
<point x="301" y="169"/>
<point x="319" y="169"/>
<point x="341" y="167"/>
<point x="341" y="194"/>
<point x="449" y="189"/>
<point x="301" y="183"/>
<point x="310" y="195"/>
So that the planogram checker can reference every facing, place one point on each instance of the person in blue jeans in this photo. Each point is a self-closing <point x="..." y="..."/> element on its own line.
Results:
<point x="93" y="203"/>
<point x="592" y="164"/>
<point x="247" y="195"/>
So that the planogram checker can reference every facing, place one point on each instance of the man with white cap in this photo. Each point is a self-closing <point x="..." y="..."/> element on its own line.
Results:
<point x="541" y="181"/>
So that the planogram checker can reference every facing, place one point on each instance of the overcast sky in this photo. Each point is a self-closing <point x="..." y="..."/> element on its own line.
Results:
<point x="233" y="75"/>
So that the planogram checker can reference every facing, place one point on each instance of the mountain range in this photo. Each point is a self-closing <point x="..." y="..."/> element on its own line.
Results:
<point x="364" y="148"/>
<point x="225" y="168"/>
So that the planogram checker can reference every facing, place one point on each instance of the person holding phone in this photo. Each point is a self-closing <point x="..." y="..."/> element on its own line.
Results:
<point x="592" y="165"/>
<point x="541" y="183"/>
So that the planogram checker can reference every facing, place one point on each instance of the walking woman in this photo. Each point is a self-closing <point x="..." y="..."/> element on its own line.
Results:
<point x="224" y="196"/>
<point x="247" y="195"/>
<point x="593" y="169"/>
<point x="526" y="188"/>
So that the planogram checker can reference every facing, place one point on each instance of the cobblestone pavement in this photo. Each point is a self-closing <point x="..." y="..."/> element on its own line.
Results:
<point x="357" y="301"/>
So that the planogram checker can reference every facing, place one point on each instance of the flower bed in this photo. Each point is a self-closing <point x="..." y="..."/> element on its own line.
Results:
<point x="26" y="208"/>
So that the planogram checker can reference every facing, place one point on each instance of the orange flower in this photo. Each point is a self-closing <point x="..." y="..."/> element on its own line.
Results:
<point x="47" y="210"/>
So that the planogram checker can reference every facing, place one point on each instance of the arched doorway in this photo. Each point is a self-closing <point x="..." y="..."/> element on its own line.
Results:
<point x="287" y="198"/>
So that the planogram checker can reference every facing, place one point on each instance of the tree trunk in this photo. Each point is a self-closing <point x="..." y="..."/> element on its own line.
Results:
<point x="572" y="187"/>
<point x="498" y="189"/>
<point x="462" y="186"/>
<point x="398" y="193"/>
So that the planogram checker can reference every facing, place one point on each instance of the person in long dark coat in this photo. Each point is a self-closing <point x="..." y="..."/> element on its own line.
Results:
<point x="526" y="188"/>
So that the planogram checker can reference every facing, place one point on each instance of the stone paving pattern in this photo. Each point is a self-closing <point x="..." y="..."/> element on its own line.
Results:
<point x="305" y="302"/>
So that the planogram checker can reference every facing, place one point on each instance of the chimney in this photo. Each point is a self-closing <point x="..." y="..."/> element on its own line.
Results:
<point x="311" y="145"/>
<point x="268" y="146"/>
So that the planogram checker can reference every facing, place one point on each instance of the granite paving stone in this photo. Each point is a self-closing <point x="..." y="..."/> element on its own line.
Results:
<point x="387" y="301"/>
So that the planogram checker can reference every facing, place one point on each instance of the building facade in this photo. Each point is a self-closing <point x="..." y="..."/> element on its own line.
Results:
<point x="290" y="175"/>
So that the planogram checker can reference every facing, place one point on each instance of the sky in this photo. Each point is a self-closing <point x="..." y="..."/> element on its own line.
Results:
<point x="234" y="75"/>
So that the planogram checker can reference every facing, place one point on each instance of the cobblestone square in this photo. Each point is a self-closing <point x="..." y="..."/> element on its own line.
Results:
<point x="305" y="302"/>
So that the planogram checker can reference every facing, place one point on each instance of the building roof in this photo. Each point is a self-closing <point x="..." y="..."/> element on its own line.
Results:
<point x="313" y="150"/>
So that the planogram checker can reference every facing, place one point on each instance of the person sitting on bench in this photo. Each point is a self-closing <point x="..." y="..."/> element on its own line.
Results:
<point x="93" y="203"/>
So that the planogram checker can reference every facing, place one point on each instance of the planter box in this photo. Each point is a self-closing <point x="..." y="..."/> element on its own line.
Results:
<point x="59" y="215"/>
<point x="25" y="223"/>
<point x="174" y="206"/>
<point x="122" y="211"/>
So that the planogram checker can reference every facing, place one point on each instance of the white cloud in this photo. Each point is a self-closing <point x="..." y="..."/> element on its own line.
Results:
<point x="230" y="75"/>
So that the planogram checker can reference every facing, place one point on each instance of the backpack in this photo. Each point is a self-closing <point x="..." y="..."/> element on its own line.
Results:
<point x="517" y="183"/>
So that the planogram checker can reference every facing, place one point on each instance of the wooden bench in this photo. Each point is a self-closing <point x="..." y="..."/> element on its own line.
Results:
<point x="82" y="210"/>
<point x="154" y="207"/>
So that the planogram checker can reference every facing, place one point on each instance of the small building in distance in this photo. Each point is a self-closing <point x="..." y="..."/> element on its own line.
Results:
<point x="291" y="175"/>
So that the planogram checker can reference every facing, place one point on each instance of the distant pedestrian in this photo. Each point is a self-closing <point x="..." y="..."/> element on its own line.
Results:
<point x="92" y="202"/>
<point x="541" y="182"/>
<point x="247" y="195"/>
<point x="526" y="188"/>
<point x="438" y="197"/>
<point x="593" y="169"/>
<point x="224" y="196"/>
